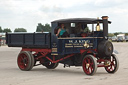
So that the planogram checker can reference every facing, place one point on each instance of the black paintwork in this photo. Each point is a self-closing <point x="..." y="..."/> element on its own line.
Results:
<point x="50" y="40"/>
<point x="29" y="40"/>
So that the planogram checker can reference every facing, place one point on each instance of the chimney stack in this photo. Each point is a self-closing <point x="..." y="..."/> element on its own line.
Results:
<point x="105" y="26"/>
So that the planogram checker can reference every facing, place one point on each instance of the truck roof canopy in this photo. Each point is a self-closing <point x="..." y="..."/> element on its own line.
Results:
<point x="75" y="20"/>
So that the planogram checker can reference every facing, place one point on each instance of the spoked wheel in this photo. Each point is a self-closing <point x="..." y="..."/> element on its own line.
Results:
<point x="114" y="64"/>
<point x="51" y="65"/>
<point x="89" y="65"/>
<point x="25" y="60"/>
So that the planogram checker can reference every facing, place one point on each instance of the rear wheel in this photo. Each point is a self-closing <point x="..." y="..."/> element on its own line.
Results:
<point x="25" y="60"/>
<point x="114" y="64"/>
<point x="51" y="65"/>
<point x="89" y="65"/>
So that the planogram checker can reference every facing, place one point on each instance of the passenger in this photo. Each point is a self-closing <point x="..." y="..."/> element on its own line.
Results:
<point x="79" y="28"/>
<point x="62" y="32"/>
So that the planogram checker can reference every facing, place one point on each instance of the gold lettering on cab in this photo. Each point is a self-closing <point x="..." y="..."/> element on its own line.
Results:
<point x="54" y="49"/>
<point x="76" y="43"/>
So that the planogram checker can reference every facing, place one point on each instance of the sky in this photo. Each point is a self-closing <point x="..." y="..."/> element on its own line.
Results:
<point x="28" y="13"/>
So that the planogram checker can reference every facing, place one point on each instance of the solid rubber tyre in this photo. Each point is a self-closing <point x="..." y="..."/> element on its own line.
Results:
<point x="113" y="67"/>
<point x="25" y="60"/>
<point x="89" y="65"/>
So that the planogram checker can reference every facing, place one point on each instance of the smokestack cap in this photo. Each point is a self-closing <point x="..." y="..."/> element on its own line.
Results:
<point x="104" y="17"/>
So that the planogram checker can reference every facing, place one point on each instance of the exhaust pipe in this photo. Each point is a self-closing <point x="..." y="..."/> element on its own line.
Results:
<point x="105" y="26"/>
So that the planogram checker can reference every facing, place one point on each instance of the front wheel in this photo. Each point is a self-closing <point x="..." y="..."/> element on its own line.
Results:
<point x="114" y="64"/>
<point x="89" y="65"/>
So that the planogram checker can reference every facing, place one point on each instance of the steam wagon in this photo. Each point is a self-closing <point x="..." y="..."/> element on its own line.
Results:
<point x="81" y="46"/>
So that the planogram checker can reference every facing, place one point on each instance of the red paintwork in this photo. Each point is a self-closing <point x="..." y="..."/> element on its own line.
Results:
<point x="84" y="35"/>
<point x="88" y="51"/>
<point x="82" y="51"/>
<point x="53" y="61"/>
<point x="112" y="66"/>
<point x="54" y="58"/>
<point x="44" y="52"/>
<point x="101" y="64"/>
<point x="23" y="61"/>
<point x="37" y="50"/>
<point x="88" y="69"/>
<point x="41" y="60"/>
<point x="100" y="60"/>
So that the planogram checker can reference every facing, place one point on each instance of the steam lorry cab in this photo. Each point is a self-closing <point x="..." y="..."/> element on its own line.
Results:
<point x="81" y="46"/>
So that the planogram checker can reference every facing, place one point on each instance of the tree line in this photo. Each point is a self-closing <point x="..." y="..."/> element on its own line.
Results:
<point x="45" y="28"/>
<point x="9" y="30"/>
<point x="116" y="33"/>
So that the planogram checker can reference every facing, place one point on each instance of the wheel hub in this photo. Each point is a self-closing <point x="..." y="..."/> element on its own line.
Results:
<point x="107" y="63"/>
<point x="87" y="65"/>
<point x="24" y="61"/>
